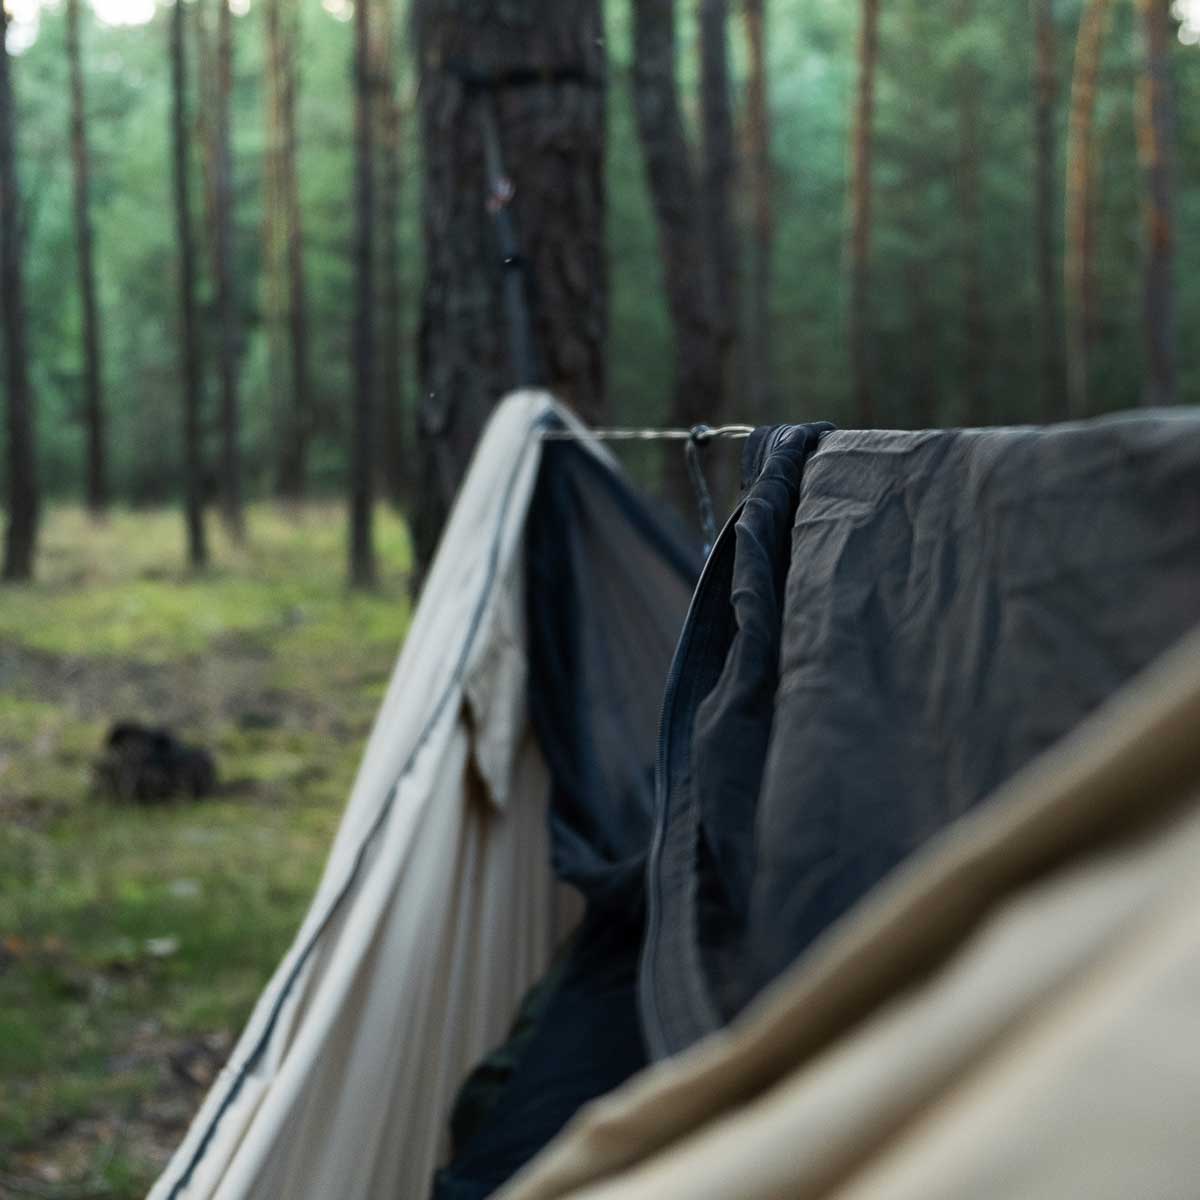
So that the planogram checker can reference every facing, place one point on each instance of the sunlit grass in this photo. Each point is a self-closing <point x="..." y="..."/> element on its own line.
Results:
<point x="123" y="587"/>
<point x="125" y="931"/>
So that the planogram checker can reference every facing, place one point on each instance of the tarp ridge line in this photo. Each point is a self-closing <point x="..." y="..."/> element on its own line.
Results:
<point x="700" y="433"/>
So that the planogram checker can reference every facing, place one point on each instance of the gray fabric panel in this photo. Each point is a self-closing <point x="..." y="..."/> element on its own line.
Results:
<point x="956" y="602"/>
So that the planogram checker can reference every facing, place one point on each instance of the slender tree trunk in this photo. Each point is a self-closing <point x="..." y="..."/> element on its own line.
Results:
<point x="539" y="67"/>
<point x="970" y="199"/>
<point x="1078" y="265"/>
<point x="1045" y="92"/>
<point x="275" y="242"/>
<point x="362" y="489"/>
<point x="395" y="434"/>
<point x="860" y="217"/>
<point x="287" y="248"/>
<point x="912" y="209"/>
<point x="192" y="456"/>
<point x="1156" y="137"/>
<point x="394" y="468"/>
<point x="759" y="342"/>
<point x="298" y="344"/>
<point x="687" y="278"/>
<point x="719" y="170"/>
<point x="97" y="481"/>
<point x="231" y="467"/>
<point x="20" y="537"/>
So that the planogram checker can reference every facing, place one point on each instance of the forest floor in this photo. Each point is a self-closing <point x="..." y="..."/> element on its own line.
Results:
<point x="134" y="941"/>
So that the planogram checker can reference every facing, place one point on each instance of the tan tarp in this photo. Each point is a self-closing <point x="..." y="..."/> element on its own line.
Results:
<point x="1016" y="1013"/>
<point x="340" y="1086"/>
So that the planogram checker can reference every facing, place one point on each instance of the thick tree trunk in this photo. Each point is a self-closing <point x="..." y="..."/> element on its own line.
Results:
<point x="21" y="533"/>
<point x="687" y="278"/>
<point x="231" y="467"/>
<point x="189" y="332"/>
<point x="970" y="201"/>
<point x="393" y="457"/>
<point x="860" y="217"/>
<point x="1156" y="136"/>
<point x="539" y="66"/>
<point x="362" y="489"/>
<point x="759" y="343"/>
<point x="1045" y="93"/>
<point x="93" y="390"/>
<point x="286" y="246"/>
<point x="1078" y="265"/>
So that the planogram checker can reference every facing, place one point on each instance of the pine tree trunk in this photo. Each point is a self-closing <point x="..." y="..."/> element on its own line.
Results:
<point x="287" y="265"/>
<point x="540" y="65"/>
<point x="20" y="537"/>
<point x="718" y="179"/>
<point x="1045" y="91"/>
<point x="975" y="328"/>
<point x="189" y="331"/>
<point x="1078" y="265"/>
<point x="912" y="210"/>
<point x="1156" y="136"/>
<point x="96" y="472"/>
<point x="759" y="342"/>
<point x="687" y="276"/>
<point x="362" y="489"/>
<point x="274" y="240"/>
<point x="393" y="464"/>
<point x="396" y="440"/>
<point x="860" y="217"/>
<point x="231" y="467"/>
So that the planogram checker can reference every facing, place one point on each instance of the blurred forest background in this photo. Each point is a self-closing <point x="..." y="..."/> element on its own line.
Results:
<point x="912" y="211"/>
<point x="271" y="262"/>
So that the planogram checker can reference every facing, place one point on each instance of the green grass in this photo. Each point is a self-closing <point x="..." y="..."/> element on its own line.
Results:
<point x="127" y="935"/>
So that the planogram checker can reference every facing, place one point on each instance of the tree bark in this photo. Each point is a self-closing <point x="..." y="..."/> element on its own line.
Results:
<point x="231" y="467"/>
<point x="362" y="489"/>
<point x="192" y="454"/>
<point x="20" y="537"/>
<point x="970" y="200"/>
<point x="286" y="247"/>
<point x="922" y="163"/>
<point x="687" y="277"/>
<point x="1156" y="136"/>
<point x="759" y="342"/>
<point x="718" y="178"/>
<point x="1080" y="236"/>
<point x="860" y="217"/>
<point x="96" y="469"/>
<point x="393" y="459"/>
<point x="1045" y="92"/>
<point x="274" y="240"/>
<point x="540" y="66"/>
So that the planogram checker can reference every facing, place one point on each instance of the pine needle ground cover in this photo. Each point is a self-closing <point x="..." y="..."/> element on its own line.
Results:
<point x="134" y="940"/>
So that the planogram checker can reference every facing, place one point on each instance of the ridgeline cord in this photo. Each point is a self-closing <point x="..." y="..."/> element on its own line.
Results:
<point x="695" y="438"/>
<point x="700" y="434"/>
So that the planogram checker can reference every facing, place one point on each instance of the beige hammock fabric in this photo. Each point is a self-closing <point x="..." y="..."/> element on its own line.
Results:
<point x="1014" y="1014"/>
<point x="387" y="999"/>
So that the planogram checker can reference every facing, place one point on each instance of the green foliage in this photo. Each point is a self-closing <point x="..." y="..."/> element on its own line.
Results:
<point x="924" y="50"/>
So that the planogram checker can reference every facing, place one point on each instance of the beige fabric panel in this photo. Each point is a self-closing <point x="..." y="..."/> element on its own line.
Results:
<point x="993" y="933"/>
<point x="453" y="913"/>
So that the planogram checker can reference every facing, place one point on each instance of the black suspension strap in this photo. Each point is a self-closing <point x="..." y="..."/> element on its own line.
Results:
<point x="704" y="503"/>
<point x="481" y="87"/>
